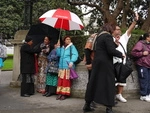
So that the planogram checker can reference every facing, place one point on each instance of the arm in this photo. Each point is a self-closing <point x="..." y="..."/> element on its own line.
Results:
<point x="137" y="50"/>
<point x="74" y="53"/>
<point x="88" y="48"/>
<point x="52" y="56"/>
<point x="132" y="26"/>
<point x="88" y="56"/>
<point x="27" y="48"/>
<point x="58" y="51"/>
<point x="110" y="46"/>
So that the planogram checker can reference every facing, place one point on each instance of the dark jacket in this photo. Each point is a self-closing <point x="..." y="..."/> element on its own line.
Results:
<point x="27" y="59"/>
<point x="137" y="52"/>
<point x="101" y="86"/>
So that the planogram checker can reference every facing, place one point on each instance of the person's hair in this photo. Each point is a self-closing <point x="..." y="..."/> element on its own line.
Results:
<point x="144" y="36"/>
<point x="48" y="37"/>
<point x="28" y="38"/>
<point x="66" y="37"/>
<point x="109" y="27"/>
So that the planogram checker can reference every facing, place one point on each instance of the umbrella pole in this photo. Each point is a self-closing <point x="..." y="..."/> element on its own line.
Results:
<point x="59" y="34"/>
<point x="60" y="29"/>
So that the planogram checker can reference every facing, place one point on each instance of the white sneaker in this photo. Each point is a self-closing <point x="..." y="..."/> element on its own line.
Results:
<point x="145" y="98"/>
<point x="120" y="98"/>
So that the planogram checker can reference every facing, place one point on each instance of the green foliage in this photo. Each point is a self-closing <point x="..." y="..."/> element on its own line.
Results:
<point x="79" y="42"/>
<point x="10" y="17"/>
<point x="134" y="39"/>
<point x="43" y="6"/>
<point x="114" y="11"/>
<point x="12" y="13"/>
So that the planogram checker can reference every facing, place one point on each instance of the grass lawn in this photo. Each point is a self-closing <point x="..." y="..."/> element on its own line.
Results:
<point x="8" y="63"/>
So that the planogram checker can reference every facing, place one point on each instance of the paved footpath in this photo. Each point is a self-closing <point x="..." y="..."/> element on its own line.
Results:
<point x="11" y="102"/>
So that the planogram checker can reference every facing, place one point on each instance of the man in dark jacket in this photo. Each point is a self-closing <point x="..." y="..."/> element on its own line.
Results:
<point x="27" y="67"/>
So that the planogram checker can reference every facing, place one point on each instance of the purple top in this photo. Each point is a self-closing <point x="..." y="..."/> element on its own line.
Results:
<point x="137" y="52"/>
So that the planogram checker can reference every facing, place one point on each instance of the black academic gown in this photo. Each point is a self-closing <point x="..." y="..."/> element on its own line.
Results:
<point x="101" y="86"/>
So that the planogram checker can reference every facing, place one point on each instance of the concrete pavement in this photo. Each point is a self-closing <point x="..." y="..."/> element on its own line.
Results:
<point x="11" y="102"/>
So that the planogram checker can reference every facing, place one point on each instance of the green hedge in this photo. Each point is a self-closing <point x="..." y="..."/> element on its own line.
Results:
<point x="10" y="56"/>
<point x="79" y="42"/>
<point x="134" y="39"/>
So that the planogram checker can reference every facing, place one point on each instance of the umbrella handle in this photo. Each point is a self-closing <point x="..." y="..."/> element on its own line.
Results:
<point x="60" y="29"/>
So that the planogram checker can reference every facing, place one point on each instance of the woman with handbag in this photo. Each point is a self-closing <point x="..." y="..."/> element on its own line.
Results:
<point x="68" y="55"/>
<point x="51" y="73"/>
<point x="141" y="53"/>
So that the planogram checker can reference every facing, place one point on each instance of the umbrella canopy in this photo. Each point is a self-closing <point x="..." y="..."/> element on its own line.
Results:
<point x="63" y="19"/>
<point x="39" y="31"/>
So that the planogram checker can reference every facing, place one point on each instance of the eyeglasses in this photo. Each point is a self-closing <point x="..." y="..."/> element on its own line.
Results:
<point x="117" y="29"/>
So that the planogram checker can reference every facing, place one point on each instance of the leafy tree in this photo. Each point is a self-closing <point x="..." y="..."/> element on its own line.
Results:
<point x="42" y="6"/>
<point x="10" y="17"/>
<point x="12" y="14"/>
<point x="116" y="11"/>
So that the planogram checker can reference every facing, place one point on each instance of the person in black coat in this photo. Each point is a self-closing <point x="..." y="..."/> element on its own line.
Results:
<point x="27" y="67"/>
<point x="101" y="86"/>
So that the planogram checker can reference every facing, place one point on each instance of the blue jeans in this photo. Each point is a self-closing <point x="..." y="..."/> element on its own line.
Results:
<point x="144" y="80"/>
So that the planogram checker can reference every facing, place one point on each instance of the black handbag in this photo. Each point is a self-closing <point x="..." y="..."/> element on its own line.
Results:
<point x="122" y="71"/>
<point x="53" y="67"/>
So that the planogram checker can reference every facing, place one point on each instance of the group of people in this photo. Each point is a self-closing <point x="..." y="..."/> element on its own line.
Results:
<point x="40" y="59"/>
<point x="102" y="51"/>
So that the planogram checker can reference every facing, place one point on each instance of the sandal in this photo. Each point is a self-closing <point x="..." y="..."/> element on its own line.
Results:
<point x="63" y="97"/>
<point x="58" y="97"/>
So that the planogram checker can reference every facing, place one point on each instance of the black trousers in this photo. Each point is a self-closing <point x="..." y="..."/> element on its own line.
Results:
<point x="88" y="94"/>
<point x="27" y="87"/>
<point x="51" y="89"/>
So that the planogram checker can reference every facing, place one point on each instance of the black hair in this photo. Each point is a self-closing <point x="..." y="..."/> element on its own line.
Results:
<point x="49" y="38"/>
<point x="28" y="38"/>
<point x="144" y="36"/>
<point x="65" y="39"/>
<point x="109" y="27"/>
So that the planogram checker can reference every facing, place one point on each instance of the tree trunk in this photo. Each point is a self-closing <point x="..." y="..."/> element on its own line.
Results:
<point x="146" y="25"/>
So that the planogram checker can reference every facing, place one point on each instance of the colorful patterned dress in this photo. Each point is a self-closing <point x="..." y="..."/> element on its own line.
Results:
<point x="68" y="54"/>
<point x="42" y="63"/>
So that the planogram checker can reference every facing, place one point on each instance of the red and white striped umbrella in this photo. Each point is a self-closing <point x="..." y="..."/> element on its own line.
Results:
<point x="63" y="19"/>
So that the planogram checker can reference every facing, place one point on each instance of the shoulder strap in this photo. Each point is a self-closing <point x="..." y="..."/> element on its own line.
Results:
<point x="94" y="41"/>
<point x="123" y="49"/>
<point x="70" y="52"/>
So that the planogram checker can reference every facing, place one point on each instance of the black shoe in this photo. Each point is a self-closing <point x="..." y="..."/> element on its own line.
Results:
<point x="116" y="102"/>
<point x="93" y="105"/>
<point x="109" y="110"/>
<point x="25" y="95"/>
<point x="87" y="108"/>
<point x="30" y="94"/>
<point x="48" y="95"/>
<point x="45" y="93"/>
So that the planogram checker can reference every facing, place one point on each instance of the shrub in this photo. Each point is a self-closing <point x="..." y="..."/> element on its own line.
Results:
<point x="79" y="42"/>
<point x="133" y="40"/>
